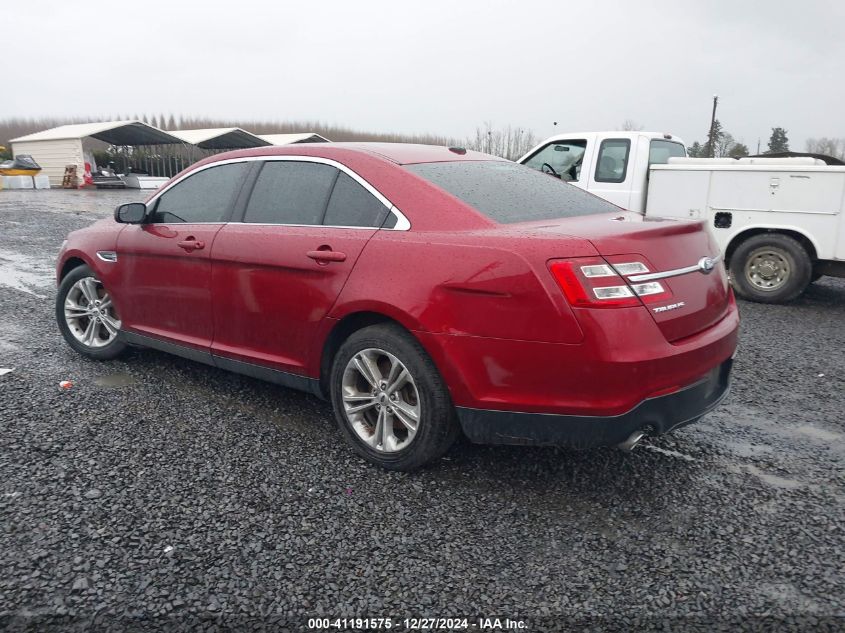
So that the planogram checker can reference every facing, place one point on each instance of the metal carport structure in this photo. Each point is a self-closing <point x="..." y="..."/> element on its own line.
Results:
<point x="58" y="147"/>
<point x="220" y="138"/>
<point x="288" y="139"/>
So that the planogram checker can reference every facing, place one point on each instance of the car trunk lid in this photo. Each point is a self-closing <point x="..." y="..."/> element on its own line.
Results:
<point x="680" y="255"/>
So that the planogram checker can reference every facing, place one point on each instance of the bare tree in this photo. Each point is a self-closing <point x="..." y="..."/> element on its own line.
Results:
<point x="629" y="125"/>
<point x="828" y="146"/>
<point x="724" y="144"/>
<point x="507" y="142"/>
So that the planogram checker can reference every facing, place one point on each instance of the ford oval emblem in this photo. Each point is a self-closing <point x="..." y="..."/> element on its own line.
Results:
<point x="706" y="265"/>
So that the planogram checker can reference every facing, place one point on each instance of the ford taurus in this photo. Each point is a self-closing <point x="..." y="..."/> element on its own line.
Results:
<point x="426" y="291"/>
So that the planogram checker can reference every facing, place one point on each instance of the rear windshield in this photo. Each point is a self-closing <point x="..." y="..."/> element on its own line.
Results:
<point x="508" y="193"/>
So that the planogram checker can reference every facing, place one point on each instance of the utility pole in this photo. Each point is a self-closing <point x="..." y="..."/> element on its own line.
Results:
<point x="758" y="145"/>
<point x="712" y="141"/>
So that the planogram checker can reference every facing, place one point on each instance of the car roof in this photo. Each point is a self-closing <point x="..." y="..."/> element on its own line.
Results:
<point x="399" y="153"/>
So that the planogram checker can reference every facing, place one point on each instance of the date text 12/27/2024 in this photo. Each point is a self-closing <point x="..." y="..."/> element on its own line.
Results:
<point x="417" y="624"/>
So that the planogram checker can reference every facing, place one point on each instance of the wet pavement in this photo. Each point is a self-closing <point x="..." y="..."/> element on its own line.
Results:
<point x="157" y="493"/>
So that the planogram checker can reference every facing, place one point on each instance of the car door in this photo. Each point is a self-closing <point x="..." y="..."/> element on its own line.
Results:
<point x="277" y="273"/>
<point x="611" y="175"/>
<point x="164" y="284"/>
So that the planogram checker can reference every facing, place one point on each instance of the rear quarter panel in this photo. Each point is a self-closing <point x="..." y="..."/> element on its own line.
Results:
<point x="465" y="284"/>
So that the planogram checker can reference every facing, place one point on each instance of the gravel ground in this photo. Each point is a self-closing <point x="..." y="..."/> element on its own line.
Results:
<point x="158" y="493"/>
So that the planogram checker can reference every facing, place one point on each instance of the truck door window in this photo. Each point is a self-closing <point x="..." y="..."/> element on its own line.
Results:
<point x="561" y="158"/>
<point x="612" y="163"/>
<point x="661" y="151"/>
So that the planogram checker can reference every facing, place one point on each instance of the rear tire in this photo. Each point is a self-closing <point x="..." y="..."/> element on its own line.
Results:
<point x="390" y="402"/>
<point x="770" y="268"/>
<point x="86" y="316"/>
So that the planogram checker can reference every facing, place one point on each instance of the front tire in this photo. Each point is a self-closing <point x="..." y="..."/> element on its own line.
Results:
<point x="770" y="268"/>
<point x="389" y="399"/>
<point x="87" y="317"/>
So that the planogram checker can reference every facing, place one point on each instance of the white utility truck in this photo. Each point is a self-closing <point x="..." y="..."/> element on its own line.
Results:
<point x="780" y="222"/>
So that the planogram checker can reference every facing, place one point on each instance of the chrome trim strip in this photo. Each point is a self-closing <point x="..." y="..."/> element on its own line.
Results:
<point x="309" y="226"/>
<point x="673" y="273"/>
<point x="751" y="209"/>
<point x="107" y="256"/>
<point x="402" y="222"/>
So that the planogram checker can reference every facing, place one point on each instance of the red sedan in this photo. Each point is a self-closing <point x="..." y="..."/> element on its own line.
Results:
<point x="424" y="290"/>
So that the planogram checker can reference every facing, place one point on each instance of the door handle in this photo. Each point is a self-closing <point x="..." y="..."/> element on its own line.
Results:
<point x="191" y="244"/>
<point x="326" y="255"/>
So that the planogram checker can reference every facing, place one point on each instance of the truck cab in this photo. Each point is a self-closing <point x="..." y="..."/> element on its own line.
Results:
<point x="611" y="165"/>
<point x="779" y="222"/>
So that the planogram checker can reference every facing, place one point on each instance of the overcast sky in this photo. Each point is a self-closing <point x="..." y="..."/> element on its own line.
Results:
<point x="439" y="67"/>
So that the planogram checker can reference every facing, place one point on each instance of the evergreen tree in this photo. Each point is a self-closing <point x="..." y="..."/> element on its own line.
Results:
<point x="714" y="136"/>
<point x="695" y="150"/>
<point x="738" y="150"/>
<point x="778" y="141"/>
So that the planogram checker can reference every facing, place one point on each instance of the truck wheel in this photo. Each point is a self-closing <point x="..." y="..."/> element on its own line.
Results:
<point x="770" y="268"/>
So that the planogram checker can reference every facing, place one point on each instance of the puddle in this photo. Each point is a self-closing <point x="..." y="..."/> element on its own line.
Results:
<point x="670" y="453"/>
<point x="788" y="596"/>
<point x="96" y="202"/>
<point x="746" y="449"/>
<point x="10" y="335"/>
<point x="781" y="434"/>
<point x="115" y="380"/>
<point x="773" y="480"/>
<point x="819" y="434"/>
<point x="6" y="346"/>
<point x="24" y="273"/>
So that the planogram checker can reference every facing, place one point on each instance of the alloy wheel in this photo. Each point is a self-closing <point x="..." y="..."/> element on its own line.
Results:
<point x="90" y="314"/>
<point x="380" y="400"/>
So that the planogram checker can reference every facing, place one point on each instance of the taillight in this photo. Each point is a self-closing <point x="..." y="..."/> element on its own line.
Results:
<point x="592" y="282"/>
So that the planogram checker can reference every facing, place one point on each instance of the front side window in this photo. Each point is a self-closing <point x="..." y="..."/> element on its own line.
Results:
<point x="206" y="196"/>
<point x="660" y="151"/>
<point x="562" y="159"/>
<point x="291" y="192"/>
<point x="613" y="160"/>
<point x="352" y="205"/>
<point x="508" y="192"/>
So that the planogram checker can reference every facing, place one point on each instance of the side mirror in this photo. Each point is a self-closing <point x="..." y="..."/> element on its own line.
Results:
<point x="132" y="213"/>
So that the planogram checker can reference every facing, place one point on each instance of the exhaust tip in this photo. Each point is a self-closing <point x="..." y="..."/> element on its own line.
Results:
<point x="633" y="439"/>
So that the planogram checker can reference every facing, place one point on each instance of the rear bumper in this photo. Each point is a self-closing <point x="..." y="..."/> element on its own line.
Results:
<point x="657" y="415"/>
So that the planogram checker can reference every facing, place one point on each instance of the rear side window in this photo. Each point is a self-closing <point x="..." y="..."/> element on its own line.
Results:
<point x="613" y="160"/>
<point x="291" y="192"/>
<point x="205" y="196"/>
<point x="508" y="193"/>
<point x="660" y="151"/>
<point x="352" y="205"/>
